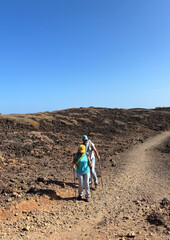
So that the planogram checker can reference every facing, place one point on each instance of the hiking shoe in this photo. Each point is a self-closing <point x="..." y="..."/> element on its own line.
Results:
<point x="79" y="197"/>
<point x="96" y="186"/>
<point x="87" y="199"/>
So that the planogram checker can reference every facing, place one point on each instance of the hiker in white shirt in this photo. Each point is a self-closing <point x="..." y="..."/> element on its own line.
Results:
<point x="92" y="151"/>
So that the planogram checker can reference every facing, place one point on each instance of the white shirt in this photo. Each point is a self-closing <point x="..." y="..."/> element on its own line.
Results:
<point x="89" y="149"/>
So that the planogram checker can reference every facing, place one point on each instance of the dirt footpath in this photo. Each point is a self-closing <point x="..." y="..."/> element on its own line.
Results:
<point x="134" y="204"/>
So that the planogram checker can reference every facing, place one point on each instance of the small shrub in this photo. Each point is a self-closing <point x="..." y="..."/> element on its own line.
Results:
<point x="95" y="134"/>
<point x="86" y="120"/>
<point x="120" y="123"/>
<point x="67" y="123"/>
<point x="61" y="116"/>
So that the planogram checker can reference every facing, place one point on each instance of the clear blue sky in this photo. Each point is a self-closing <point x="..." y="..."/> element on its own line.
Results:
<point x="58" y="54"/>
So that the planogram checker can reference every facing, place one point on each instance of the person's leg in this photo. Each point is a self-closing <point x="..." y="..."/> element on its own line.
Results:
<point x="86" y="183"/>
<point x="80" y="189"/>
<point x="94" y="172"/>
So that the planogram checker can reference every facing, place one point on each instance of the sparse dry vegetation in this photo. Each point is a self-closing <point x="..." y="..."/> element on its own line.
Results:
<point x="120" y="123"/>
<point x="86" y="120"/>
<point x="92" y="134"/>
<point x="21" y="119"/>
<point x="66" y="122"/>
<point x="36" y="177"/>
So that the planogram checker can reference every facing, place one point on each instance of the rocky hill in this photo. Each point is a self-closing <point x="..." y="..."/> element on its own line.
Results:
<point x="36" y="150"/>
<point x="35" y="144"/>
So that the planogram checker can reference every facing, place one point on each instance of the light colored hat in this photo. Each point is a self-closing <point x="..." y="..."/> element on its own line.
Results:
<point x="85" y="138"/>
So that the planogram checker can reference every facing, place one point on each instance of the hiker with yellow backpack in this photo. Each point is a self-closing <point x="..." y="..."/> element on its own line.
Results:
<point x="82" y="165"/>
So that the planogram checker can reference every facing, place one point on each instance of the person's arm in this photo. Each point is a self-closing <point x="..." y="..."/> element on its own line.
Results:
<point x="89" y="162"/>
<point x="96" y="152"/>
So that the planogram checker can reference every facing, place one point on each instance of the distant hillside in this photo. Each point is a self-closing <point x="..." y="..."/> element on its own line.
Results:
<point x="97" y="119"/>
<point x="40" y="144"/>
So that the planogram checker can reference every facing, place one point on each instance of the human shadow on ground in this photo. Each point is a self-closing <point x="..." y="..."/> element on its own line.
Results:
<point x="57" y="182"/>
<point x="49" y="192"/>
<point x="61" y="183"/>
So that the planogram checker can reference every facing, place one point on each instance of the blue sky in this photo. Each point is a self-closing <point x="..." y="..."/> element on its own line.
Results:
<point x="58" y="54"/>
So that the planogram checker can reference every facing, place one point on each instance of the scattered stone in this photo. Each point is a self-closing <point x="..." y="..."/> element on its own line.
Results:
<point x="16" y="195"/>
<point x="116" y="153"/>
<point x="26" y="228"/>
<point x="120" y="234"/>
<point x="40" y="179"/>
<point x="13" y="180"/>
<point x="32" y="190"/>
<point x="156" y="219"/>
<point x="165" y="202"/>
<point x="131" y="234"/>
<point x="9" y="200"/>
<point x="6" y="190"/>
<point x="137" y="202"/>
<point x="24" y="187"/>
<point x="126" y="217"/>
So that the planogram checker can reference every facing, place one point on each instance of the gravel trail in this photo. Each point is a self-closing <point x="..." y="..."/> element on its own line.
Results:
<point x="133" y="191"/>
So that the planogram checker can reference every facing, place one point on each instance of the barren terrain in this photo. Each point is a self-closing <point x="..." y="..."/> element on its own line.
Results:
<point x="37" y="185"/>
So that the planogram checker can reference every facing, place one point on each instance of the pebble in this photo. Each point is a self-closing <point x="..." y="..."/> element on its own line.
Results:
<point x="9" y="200"/>
<point x="27" y="228"/>
<point x="131" y="234"/>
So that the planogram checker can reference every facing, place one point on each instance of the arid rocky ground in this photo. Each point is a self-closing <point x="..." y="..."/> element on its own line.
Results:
<point x="37" y="198"/>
